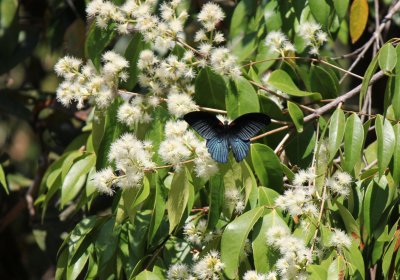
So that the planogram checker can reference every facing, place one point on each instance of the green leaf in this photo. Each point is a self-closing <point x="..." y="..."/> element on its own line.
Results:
<point x="216" y="199"/>
<point x="147" y="275"/>
<point x="387" y="58"/>
<point x="3" y="181"/>
<point x="210" y="89"/>
<point x="396" y="155"/>
<point x="135" y="46"/>
<point x="324" y="82"/>
<point x="337" y="269"/>
<point x="75" y="178"/>
<point x="265" y="256"/>
<point x="301" y="147"/>
<point x="178" y="197"/>
<point x="271" y="108"/>
<point x="234" y="238"/>
<point x="389" y="254"/>
<point x="352" y="227"/>
<point x="373" y="65"/>
<point x="97" y="40"/>
<point x="336" y="132"/>
<point x="158" y="208"/>
<point x="386" y="143"/>
<point x="374" y="205"/>
<point x="76" y="266"/>
<point x="316" y="272"/>
<point x="320" y="9"/>
<point x="353" y="142"/>
<point x="355" y="262"/>
<point x="281" y="80"/>
<point x="394" y="83"/>
<point x="241" y="98"/>
<point x="358" y="19"/>
<point x="297" y="116"/>
<point x="341" y="7"/>
<point x="267" y="166"/>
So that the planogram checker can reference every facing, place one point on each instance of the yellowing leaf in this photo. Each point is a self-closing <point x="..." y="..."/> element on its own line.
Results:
<point x="358" y="19"/>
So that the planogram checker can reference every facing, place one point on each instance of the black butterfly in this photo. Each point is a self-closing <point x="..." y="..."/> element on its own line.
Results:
<point x="220" y="136"/>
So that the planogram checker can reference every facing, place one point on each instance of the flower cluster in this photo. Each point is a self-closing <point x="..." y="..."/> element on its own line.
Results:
<point x="313" y="36"/>
<point x="340" y="239"/>
<point x="137" y="15"/>
<point x="209" y="267"/>
<point x="298" y="199"/>
<point x="339" y="183"/>
<point x="180" y="144"/>
<point x="197" y="234"/>
<point x="234" y="197"/>
<point x="295" y="256"/>
<point x="82" y="82"/>
<point x="136" y="110"/>
<point x="253" y="275"/>
<point x="132" y="158"/>
<point x="279" y="43"/>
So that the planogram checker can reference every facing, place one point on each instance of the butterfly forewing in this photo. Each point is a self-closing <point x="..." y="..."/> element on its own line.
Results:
<point x="248" y="125"/>
<point x="205" y="124"/>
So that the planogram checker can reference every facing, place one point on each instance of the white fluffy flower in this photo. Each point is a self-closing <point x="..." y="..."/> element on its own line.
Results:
<point x="253" y="275"/>
<point x="68" y="67"/>
<point x="178" y="272"/>
<point x="103" y="180"/>
<point x="340" y="239"/>
<point x="278" y="42"/>
<point x="210" y="15"/>
<point x="209" y="266"/>
<point x="180" y="104"/>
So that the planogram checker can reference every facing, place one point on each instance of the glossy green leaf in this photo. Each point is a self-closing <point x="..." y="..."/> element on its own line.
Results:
<point x="158" y="208"/>
<point x="75" y="268"/>
<point x="241" y="98"/>
<point x="355" y="262"/>
<point x="300" y="148"/>
<point x="353" y="142"/>
<point x="352" y="227"/>
<point x="320" y="9"/>
<point x="373" y="65"/>
<point x="216" y="197"/>
<point x="210" y="89"/>
<point x="147" y="275"/>
<point x="387" y="57"/>
<point x="68" y="162"/>
<point x="265" y="256"/>
<point x="75" y="178"/>
<point x="97" y="40"/>
<point x="281" y="80"/>
<point x="234" y="238"/>
<point x="3" y="181"/>
<point x="374" y="206"/>
<point x="135" y="46"/>
<point x="394" y="83"/>
<point x="324" y="82"/>
<point x="341" y="7"/>
<point x="297" y="116"/>
<point x="316" y="272"/>
<point x="267" y="166"/>
<point x="386" y="142"/>
<point x="337" y="269"/>
<point x="396" y="155"/>
<point x="178" y="197"/>
<point x="336" y="132"/>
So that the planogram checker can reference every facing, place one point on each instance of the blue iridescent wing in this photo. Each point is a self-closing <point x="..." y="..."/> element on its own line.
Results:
<point x="205" y="124"/>
<point x="240" y="148"/>
<point x="248" y="125"/>
<point x="218" y="148"/>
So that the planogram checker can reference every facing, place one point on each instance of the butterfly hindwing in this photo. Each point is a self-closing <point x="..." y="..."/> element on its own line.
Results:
<point x="218" y="148"/>
<point x="240" y="148"/>
<point x="205" y="124"/>
<point x="248" y="125"/>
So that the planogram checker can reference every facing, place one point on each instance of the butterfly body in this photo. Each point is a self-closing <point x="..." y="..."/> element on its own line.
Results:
<point x="224" y="136"/>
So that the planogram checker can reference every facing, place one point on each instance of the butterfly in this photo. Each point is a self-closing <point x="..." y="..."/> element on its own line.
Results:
<point x="220" y="136"/>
